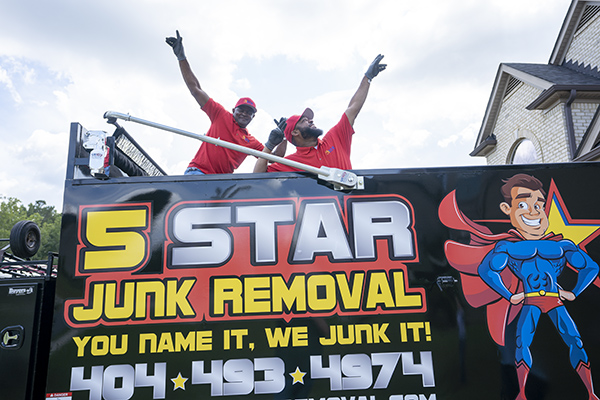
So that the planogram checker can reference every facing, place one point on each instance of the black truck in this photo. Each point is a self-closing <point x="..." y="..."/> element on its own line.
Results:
<point x="367" y="284"/>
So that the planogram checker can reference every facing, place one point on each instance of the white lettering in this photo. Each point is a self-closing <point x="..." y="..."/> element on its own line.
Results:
<point x="382" y="219"/>
<point x="321" y="232"/>
<point x="208" y="245"/>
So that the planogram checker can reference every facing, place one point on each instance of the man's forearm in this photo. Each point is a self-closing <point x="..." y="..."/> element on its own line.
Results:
<point x="279" y="151"/>
<point x="358" y="100"/>
<point x="192" y="82"/>
<point x="261" y="163"/>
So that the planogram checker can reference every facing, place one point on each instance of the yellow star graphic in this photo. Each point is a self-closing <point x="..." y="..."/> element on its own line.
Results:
<point x="559" y="222"/>
<point x="298" y="376"/>
<point x="179" y="382"/>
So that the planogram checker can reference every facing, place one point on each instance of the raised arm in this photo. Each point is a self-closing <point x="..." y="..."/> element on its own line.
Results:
<point x="274" y="145"/>
<point x="357" y="101"/>
<point x="186" y="70"/>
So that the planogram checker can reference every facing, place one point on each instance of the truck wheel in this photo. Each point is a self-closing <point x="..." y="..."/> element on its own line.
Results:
<point x="25" y="239"/>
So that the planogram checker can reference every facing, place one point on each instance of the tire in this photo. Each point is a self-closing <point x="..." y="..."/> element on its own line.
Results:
<point x="25" y="239"/>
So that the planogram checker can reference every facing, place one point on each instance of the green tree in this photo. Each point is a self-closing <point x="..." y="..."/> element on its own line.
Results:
<point x="11" y="211"/>
<point x="45" y="216"/>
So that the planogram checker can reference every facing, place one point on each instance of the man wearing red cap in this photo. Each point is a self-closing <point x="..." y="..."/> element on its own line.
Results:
<point x="230" y="127"/>
<point x="334" y="149"/>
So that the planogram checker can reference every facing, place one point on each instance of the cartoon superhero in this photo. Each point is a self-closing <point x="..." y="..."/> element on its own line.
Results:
<point x="522" y="267"/>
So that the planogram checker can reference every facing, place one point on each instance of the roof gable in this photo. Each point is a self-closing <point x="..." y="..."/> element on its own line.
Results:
<point x="567" y="32"/>
<point x="557" y="79"/>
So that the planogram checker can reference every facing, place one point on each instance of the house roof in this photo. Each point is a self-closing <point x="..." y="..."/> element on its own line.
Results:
<point x="565" y="75"/>
<point x="564" y="80"/>
<point x="567" y="31"/>
<point x="558" y="80"/>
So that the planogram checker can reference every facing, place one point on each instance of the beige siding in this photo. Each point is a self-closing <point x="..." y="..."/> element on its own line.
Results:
<point x="584" y="48"/>
<point x="546" y="129"/>
<point x="583" y="113"/>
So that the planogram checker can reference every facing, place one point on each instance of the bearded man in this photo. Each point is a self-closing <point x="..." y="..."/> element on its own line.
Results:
<point x="334" y="149"/>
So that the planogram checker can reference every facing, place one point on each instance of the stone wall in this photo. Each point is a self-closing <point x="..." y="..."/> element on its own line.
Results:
<point x="585" y="45"/>
<point x="583" y="113"/>
<point x="546" y="128"/>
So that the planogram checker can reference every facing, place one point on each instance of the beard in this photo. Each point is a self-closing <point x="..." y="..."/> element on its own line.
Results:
<point x="308" y="133"/>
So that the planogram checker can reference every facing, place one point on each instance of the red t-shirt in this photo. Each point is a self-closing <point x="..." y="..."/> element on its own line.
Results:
<point x="212" y="159"/>
<point x="331" y="151"/>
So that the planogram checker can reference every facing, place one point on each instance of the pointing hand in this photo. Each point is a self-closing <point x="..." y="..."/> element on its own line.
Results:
<point x="177" y="45"/>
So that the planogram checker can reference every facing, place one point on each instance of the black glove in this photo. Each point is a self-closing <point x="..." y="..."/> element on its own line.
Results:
<point x="177" y="45"/>
<point x="375" y="68"/>
<point x="276" y="135"/>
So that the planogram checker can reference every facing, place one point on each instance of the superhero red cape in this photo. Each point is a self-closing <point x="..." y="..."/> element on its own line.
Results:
<point x="465" y="258"/>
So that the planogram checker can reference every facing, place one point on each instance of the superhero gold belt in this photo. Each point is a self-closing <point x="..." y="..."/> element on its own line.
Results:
<point x="541" y="293"/>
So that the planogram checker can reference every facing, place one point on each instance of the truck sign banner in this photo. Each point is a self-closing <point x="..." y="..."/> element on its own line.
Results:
<point x="456" y="283"/>
<point x="243" y="260"/>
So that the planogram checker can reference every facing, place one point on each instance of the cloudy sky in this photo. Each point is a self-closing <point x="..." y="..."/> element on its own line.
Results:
<point x="70" y="61"/>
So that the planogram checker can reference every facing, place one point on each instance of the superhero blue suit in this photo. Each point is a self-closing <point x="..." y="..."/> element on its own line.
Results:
<point x="538" y="264"/>
<point x="534" y="264"/>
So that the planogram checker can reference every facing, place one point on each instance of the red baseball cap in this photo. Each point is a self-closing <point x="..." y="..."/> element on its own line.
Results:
<point x="246" y="101"/>
<point x="293" y="120"/>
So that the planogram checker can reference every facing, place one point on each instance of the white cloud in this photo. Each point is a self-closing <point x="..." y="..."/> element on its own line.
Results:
<point x="469" y="134"/>
<point x="424" y="110"/>
<point x="242" y="84"/>
<point x="9" y="86"/>
<point x="33" y="168"/>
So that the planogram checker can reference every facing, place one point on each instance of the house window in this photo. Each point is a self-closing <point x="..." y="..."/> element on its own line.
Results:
<point x="524" y="153"/>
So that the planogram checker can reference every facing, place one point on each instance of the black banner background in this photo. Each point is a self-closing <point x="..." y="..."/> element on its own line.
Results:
<point x="467" y="364"/>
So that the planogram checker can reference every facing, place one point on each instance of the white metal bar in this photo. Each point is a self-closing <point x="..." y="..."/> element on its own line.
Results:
<point x="323" y="171"/>
<point x="339" y="177"/>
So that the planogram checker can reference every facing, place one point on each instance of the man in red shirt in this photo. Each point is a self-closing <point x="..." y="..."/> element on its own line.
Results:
<point x="334" y="149"/>
<point x="230" y="127"/>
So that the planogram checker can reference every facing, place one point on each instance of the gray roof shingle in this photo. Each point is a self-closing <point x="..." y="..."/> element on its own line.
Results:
<point x="566" y="74"/>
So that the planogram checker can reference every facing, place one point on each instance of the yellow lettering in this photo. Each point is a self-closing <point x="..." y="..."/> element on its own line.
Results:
<point x="117" y="242"/>
<point x="183" y="343"/>
<point x="256" y="291"/>
<point x="299" y="336"/>
<point x="80" y="343"/>
<point x="332" y="339"/>
<point x="294" y="294"/>
<point x="403" y="332"/>
<point x="415" y="327"/>
<point x="165" y="343"/>
<point x="149" y="338"/>
<point x="321" y="300"/>
<point x="403" y="299"/>
<point x="354" y="334"/>
<point x="177" y="298"/>
<point x="379" y="333"/>
<point x="379" y="291"/>
<point x="368" y="331"/>
<point x="320" y="292"/>
<point x="116" y="351"/>
<point x="340" y="333"/>
<point x="91" y="314"/>
<point x="99" y="345"/>
<point x="204" y="340"/>
<point x="111" y="310"/>
<point x="227" y="290"/>
<point x="351" y="298"/>
<point x="156" y="291"/>
<point x="278" y="337"/>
